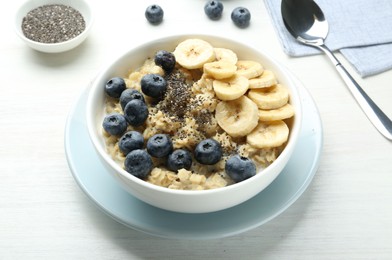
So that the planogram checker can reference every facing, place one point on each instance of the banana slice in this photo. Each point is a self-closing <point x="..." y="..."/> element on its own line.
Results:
<point x="268" y="134"/>
<point x="269" y="98"/>
<point x="237" y="117"/>
<point x="220" y="69"/>
<point x="225" y="54"/>
<point x="194" y="53"/>
<point x="265" y="80"/>
<point x="249" y="69"/>
<point x="231" y="88"/>
<point x="281" y="113"/>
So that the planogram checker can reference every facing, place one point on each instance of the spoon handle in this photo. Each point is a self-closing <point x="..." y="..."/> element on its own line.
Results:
<point x="379" y="119"/>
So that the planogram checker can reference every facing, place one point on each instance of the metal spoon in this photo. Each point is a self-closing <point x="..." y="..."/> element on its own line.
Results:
<point x="306" y="22"/>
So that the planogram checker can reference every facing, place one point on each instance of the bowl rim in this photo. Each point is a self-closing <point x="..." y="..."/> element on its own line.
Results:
<point x="89" y="21"/>
<point x="93" y="91"/>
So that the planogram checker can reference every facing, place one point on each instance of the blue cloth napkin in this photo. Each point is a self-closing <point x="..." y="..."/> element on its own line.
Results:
<point x="360" y="29"/>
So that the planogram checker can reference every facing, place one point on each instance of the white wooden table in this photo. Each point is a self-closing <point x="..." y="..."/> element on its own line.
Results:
<point x="346" y="213"/>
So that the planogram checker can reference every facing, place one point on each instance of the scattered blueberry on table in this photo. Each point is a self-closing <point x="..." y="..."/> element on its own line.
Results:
<point x="241" y="17"/>
<point x="213" y="9"/>
<point x="154" y="14"/>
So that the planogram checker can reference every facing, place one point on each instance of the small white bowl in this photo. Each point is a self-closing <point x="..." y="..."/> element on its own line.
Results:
<point x="187" y="201"/>
<point x="80" y="5"/>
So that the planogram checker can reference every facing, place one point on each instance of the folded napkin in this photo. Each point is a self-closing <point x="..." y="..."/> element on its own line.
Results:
<point x="360" y="29"/>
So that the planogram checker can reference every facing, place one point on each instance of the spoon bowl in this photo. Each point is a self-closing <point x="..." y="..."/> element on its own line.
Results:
<point x="306" y="22"/>
<point x="309" y="26"/>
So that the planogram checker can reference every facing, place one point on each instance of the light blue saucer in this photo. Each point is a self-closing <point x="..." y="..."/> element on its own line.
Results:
<point x="104" y="191"/>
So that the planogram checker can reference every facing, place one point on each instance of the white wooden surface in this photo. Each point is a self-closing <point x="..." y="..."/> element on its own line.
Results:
<point x="346" y="213"/>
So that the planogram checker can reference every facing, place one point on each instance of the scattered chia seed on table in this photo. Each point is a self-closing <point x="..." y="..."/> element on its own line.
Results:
<point x="53" y="23"/>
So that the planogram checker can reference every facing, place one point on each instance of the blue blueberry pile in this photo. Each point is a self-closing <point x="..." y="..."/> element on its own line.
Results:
<point x="138" y="160"/>
<point x="138" y="153"/>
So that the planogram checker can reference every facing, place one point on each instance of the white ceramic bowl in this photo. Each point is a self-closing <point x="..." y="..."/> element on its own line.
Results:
<point x="184" y="200"/>
<point x="81" y="5"/>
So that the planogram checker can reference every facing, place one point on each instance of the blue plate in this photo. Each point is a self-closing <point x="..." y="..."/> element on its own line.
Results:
<point x="106" y="193"/>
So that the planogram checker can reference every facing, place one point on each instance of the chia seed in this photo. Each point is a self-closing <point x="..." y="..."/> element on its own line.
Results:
<point x="180" y="103"/>
<point x="53" y="23"/>
<point x="177" y="97"/>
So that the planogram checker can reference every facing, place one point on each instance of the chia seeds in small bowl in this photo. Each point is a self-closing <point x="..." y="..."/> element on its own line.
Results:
<point x="53" y="26"/>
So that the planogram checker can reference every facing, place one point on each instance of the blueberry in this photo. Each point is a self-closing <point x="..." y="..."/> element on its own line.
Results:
<point x="130" y="141"/>
<point x="241" y="17"/>
<point x="138" y="163"/>
<point x="114" y="124"/>
<point x="115" y="86"/>
<point x="213" y="9"/>
<point x="154" y="14"/>
<point x="159" y="145"/>
<point x="136" y="112"/>
<point x="153" y="85"/>
<point x="240" y="168"/>
<point x="128" y="95"/>
<point x="208" y="152"/>
<point x="166" y="60"/>
<point x="179" y="159"/>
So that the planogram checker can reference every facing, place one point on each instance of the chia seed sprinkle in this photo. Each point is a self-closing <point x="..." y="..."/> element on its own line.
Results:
<point x="180" y="103"/>
<point x="177" y="96"/>
<point x="53" y="23"/>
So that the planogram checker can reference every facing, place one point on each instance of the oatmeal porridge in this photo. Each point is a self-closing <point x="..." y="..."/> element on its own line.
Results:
<point x="197" y="117"/>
